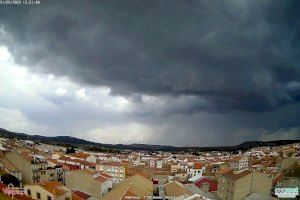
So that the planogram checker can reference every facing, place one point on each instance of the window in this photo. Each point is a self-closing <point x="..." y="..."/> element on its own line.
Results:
<point x="49" y="198"/>
<point x="29" y="192"/>
<point x="38" y="195"/>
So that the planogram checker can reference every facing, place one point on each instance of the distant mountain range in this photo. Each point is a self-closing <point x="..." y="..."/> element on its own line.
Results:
<point x="73" y="141"/>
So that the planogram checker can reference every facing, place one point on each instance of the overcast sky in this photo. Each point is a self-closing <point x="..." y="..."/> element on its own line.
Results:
<point x="184" y="73"/>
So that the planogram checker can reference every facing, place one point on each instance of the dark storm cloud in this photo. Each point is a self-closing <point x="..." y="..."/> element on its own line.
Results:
<point x="235" y="55"/>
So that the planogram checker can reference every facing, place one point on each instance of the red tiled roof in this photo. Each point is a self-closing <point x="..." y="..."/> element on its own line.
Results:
<point x="197" y="165"/>
<point x="225" y="170"/>
<point x="65" y="158"/>
<point x="86" y="163"/>
<point x="101" y="179"/>
<point x="117" y="164"/>
<point x="238" y="175"/>
<point x="277" y="178"/>
<point x="54" y="161"/>
<point x="105" y="175"/>
<point x="213" y="186"/>
<point x="80" y="155"/>
<point x="80" y="194"/>
<point x="272" y="164"/>
<point x="53" y="187"/>
<point x="71" y="167"/>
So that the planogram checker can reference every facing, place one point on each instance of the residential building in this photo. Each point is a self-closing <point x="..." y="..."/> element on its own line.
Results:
<point x="240" y="163"/>
<point x="234" y="165"/>
<point x="290" y="178"/>
<point x="137" y="162"/>
<point x="285" y="163"/>
<point x="134" y="187"/>
<point x="56" y="155"/>
<point x="52" y="190"/>
<point x="89" y="181"/>
<point x="79" y="195"/>
<point x="238" y="185"/>
<point x="9" y="167"/>
<point x="80" y="162"/>
<point x="206" y="184"/>
<point x="152" y="163"/>
<point x="198" y="192"/>
<point x="34" y="168"/>
<point x="83" y="156"/>
<point x="176" y="189"/>
<point x="175" y="168"/>
<point x="181" y="177"/>
<point x="159" y="164"/>
<point x="8" y="179"/>
<point x="116" y="170"/>
<point x="243" y="163"/>
<point x="195" y="170"/>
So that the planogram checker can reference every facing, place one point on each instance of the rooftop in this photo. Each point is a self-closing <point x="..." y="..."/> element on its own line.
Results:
<point x="135" y="186"/>
<point x="176" y="189"/>
<point x="53" y="187"/>
<point x="236" y="176"/>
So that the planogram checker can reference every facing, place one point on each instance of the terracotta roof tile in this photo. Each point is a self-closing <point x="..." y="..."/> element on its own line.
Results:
<point x="176" y="189"/>
<point x="80" y="155"/>
<point x="80" y="195"/>
<point x="237" y="175"/>
<point x="197" y="165"/>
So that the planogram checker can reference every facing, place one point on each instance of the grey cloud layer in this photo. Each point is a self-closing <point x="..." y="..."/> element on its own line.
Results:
<point x="236" y="55"/>
<point x="198" y="71"/>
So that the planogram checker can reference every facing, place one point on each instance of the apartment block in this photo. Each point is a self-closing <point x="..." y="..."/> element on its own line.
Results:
<point x="34" y="168"/>
<point x="238" y="185"/>
<point x="7" y="166"/>
<point x="175" y="168"/>
<point x="52" y="190"/>
<point x="116" y="170"/>
<point x="89" y="181"/>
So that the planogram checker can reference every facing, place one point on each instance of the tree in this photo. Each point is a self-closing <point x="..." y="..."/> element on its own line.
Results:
<point x="70" y="150"/>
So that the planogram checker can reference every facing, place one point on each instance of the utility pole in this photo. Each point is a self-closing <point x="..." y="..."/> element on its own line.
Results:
<point x="252" y="171"/>
<point x="251" y="181"/>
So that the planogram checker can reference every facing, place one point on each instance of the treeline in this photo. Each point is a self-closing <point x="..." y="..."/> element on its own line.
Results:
<point x="101" y="149"/>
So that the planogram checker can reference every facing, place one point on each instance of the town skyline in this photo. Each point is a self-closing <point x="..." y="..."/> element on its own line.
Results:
<point x="43" y="170"/>
<point x="67" y="140"/>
